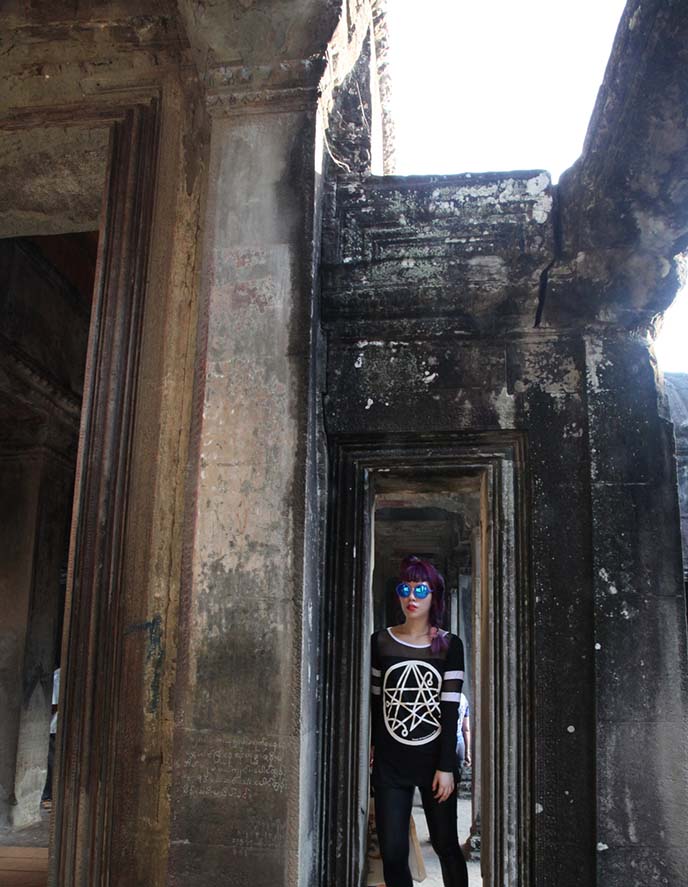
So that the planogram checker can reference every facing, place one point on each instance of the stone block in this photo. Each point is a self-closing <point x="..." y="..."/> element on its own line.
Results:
<point x="53" y="179"/>
<point x="641" y="766"/>
<point x="396" y="386"/>
<point x="637" y="540"/>
<point x="630" y="439"/>
<point x="643" y="866"/>
<point x="640" y="643"/>
<point x="245" y="859"/>
<point x="469" y="247"/>
<point x="226" y="780"/>
<point x="629" y="443"/>
<point x="243" y="653"/>
<point x="546" y="380"/>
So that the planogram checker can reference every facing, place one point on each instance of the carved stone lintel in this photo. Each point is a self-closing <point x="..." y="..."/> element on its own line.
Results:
<point x="125" y="34"/>
<point x="286" y="74"/>
<point x="261" y="101"/>
<point x="98" y="111"/>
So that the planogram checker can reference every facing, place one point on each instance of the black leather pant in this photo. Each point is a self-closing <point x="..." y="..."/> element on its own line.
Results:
<point x="392" y="813"/>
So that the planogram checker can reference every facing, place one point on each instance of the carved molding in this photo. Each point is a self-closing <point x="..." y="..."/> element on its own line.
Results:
<point x="290" y="84"/>
<point x="225" y="104"/>
<point x="287" y="84"/>
<point x="37" y="383"/>
<point x="285" y="74"/>
<point x="127" y="34"/>
<point x="61" y="61"/>
<point x="91" y="112"/>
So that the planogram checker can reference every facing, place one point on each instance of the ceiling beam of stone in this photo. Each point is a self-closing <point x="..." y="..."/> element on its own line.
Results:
<point x="399" y="251"/>
<point x="280" y="52"/>
<point x="624" y="204"/>
<point x="251" y="33"/>
<point x="246" y="46"/>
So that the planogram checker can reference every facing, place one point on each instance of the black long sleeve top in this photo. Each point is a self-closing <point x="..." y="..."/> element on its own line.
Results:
<point x="415" y="703"/>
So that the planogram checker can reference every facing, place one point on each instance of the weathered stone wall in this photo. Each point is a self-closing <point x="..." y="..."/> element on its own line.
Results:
<point x="431" y="294"/>
<point x="448" y="309"/>
<point x="639" y="619"/>
<point x="470" y="249"/>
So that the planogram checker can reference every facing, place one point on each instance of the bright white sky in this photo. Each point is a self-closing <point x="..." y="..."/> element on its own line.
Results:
<point x="485" y="85"/>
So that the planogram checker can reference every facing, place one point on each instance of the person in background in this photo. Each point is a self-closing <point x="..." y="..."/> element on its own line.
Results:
<point x="47" y="797"/>
<point x="463" y="736"/>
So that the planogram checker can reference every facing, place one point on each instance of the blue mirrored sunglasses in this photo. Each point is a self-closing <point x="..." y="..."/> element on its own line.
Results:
<point x="420" y="591"/>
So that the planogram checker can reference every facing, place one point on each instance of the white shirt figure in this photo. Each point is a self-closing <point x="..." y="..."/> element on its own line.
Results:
<point x="463" y="748"/>
<point x="56" y="696"/>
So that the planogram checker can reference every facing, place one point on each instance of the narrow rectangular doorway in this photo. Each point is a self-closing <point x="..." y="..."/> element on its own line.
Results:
<point x="461" y="502"/>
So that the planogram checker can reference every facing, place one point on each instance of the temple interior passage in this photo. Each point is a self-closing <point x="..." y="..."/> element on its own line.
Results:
<point x="46" y="285"/>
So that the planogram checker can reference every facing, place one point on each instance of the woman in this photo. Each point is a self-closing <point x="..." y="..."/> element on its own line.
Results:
<point x="417" y="675"/>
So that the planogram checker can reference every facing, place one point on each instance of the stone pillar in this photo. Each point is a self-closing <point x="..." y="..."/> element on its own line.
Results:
<point x="237" y="779"/>
<point x="641" y="664"/>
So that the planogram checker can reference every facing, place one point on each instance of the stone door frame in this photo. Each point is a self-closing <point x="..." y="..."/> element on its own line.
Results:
<point x="90" y="699"/>
<point x="506" y="643"/>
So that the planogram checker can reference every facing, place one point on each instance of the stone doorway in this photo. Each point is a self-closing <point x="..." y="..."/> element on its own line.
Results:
<point x="74" y="296"/>
<point x="460" y="500"/>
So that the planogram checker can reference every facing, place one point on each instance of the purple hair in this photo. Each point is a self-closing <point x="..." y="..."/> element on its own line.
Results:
<point x="415" y="569"/>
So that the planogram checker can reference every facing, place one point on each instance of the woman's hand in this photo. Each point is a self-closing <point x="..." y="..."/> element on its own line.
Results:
<point x="442" y="785"/>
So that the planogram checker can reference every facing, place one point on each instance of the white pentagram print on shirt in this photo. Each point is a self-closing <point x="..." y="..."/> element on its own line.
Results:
<point x="414" y="694"/>
<point x="410" y="700"/>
